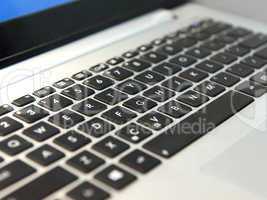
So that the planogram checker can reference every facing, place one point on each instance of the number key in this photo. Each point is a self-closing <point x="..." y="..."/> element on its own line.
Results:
<point x="98" y="82"/>
<point x="9" y="125"/>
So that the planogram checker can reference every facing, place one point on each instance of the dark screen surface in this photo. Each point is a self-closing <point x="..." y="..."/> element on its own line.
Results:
<point x="33" y="34"/>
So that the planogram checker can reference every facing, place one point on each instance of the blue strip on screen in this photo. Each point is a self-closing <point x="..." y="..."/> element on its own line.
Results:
<point x="10" y="9"/>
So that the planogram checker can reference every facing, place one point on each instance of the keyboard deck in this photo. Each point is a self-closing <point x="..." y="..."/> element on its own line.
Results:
<point x="124" y="117"/>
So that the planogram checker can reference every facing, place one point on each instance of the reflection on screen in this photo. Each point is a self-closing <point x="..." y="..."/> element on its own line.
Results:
<point x="10" y="9"/>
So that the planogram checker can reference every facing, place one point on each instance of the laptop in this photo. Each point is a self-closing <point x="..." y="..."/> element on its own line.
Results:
<point x="126" y="100"/>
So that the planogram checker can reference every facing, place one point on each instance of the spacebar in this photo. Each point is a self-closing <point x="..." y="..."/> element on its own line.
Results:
<point x="198" y="124"/>
<point x="43" y="186"/>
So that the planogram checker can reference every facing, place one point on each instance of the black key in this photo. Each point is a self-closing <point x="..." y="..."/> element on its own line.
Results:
<point x="1" y="160"/>
<point x="213" y="45"/>
<point x="4" y="109"/>
<point x="115" y="61"/>
<point x="66" y="82"/>
<point x="81" y="75"/>
<point x="9" y="125"/>
<point x="170" y="49"/>
<point x="254" y="62"/>
<point x="66" y="119"/>
<point x="23" y="101"/>
<point x="198" y="53"/>
<point x="111" y="96"/>
<point x="140" y="104"/>
<point x="131" y="87"/>
<point x="185" y="42"/>
<point x="178" y="137"/>
<point x="177" y="84"/>
<point x="99" y="68"/>
<point x="98" y="82"/>
<point x="55" y="102"/>
<point x="252" y="89"/>
<point x="44" y="92"/>
<point x="149" y="77"/>
<point x="193" y="98"/>
<point x="96" y="127"/>
<point x="155" y="121"/>
<point x="145" y="48"/>
<point x="216" y="28"/>
<point x="238" y="50"/>
<point x="194" y="75"/>
<point x="225" y="79"/>
<point x="14" y="172"/>
<point x="209" y="66"/>
<point x="41" y="131"/>
<point x="184" y="61"/>
<point x="45" y="155"/>
<point x="224" y="58"/>
<point x="210" y="89"/>
<point x="225" y="39"/>
<point x="31" y="114"/>
<point x="154" y="57"/>
<point x="72" y="141"/>
<point x="260" y="78"/>
<point x="134" y="133"/>
<point x="14" y="145"/>
<point x="130" y="54"/>
<point x="200" y="36"/>
<point x="78" y="92"/>
<point x="262" y="53"/>
<point x="85" y="162"/>
<point x="238" y="32"/>
<point x="175" y="109"/>
<point x="118" y="73"/>
<point x="240" y="70"/>
<point x="136" y="65"/>
<point x="44" y="185"/>
<point x="254" y="41"/>
<point x="115" y="177"/>
<point x="159" y="42"/>
<point x="88" y="191"/>
<point x="159" y="94"/>
<point x="89" y="107"/>
<point x="111" y="147"/>
<point x="167" y="69"/>
<point x="140" y="161"/>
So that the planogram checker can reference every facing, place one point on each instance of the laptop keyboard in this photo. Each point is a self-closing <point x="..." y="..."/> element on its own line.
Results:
<point x="146" y="96"/>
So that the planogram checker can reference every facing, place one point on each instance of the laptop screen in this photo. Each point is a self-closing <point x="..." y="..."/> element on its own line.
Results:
<point x="11" y="9"/>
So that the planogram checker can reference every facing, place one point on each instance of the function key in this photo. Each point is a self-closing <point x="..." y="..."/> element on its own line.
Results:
<point x="81" y="75"/>
<point x="260" y="78"/>
<point x="194" y="75"/>
<point x="131" y="87"/>
<point x="66" y="82"/>
<point x="185" y="42"/>
<point x="45" y="155"/>
<point x="150" y="77"/>
<point x="159" y="94"/>
<point x="224" y="58"/>
<point x="44" y="92"/>
<point x="251" y="88"/>
<point x="170" y="49"/>
<point x="155" y="121"/>
<point x="134" y="133"/>
<point x="225" y="79"/>
<point x="88" y="191"/>
<point x="216" y="28"/>
<point x="41" y="131"/>
<point x="99" y="68"/>
<point x="136" y="65"/>
<point x="193" y="98"/>
<point x="110" y="147"/>
<point x="238" y="32"/>
<point x="184" y="61"/>
<point x="240" y="70"/>
<point x="154" y="57"/>
<point x="115" y="177"/>
<point x="98" y="82"/>
<point x="210" y="89"/>
<point x="115" y="61"/>
<point x="174" y="109"/>
<point x="72" y="141"/>
<point x="31" y="114"/>
<point x="140" y="161"/>
<point x="55" y="102"/>
<point x="66" y="119"/>
<point x="111" y="96"/>
<point x="96" y="127"/>
<point x="9" y="125"/>
<point x="118" y="73"/>
<point x="130" y="54"/>
<point x="23" y="101"/>
<point x="14" y="145"/>
<point x="140" y="104"/>
<point x="209" y="66"/>
<point x="4" y="109"/>
<point x="226" y="39"/>
<point x="213" y="45"/>
<point x="198" y="53"/>
<point x="254" y="41"/>
<point x="199" y="36"/>
<point x="254" y="62"/>
<point x="145" y="48"/>
<point x="177" y="84"/>
<point x="78" y="92"/>
<point x="167" y="69"/>
<point x="119" y="115"/>
<point x="238" y="50"/>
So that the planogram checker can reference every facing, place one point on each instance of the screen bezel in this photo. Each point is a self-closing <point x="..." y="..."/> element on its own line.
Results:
<point x="36" y="33"/>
